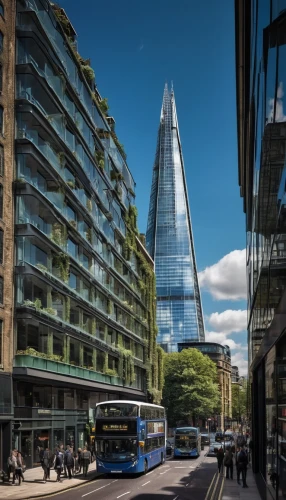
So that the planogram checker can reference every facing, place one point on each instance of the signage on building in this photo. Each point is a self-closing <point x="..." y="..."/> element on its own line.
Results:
<point x="44" y="412"/>
<point x="115" y="427"/>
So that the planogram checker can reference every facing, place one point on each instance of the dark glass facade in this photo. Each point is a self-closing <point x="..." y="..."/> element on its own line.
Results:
<point x="84" y="325"/>
<point x="261" y="115"/>
<point x="169" y="239"/>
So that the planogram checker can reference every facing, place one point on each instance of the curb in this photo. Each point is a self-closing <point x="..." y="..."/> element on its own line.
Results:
<point x="47" y="495"/>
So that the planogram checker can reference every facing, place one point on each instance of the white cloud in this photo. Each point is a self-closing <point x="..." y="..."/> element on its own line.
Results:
<point x="228" y="321"/>
<point x="238" y="360"/>
<point x="226" y="280"/>
<point x="279" y="112"/>
<point x="221" y="338"/>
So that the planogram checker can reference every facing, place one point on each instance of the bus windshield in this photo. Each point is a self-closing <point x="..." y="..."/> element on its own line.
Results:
<point x="116" y="410"/>
<point x="185" y="442"/>
<point x="117" y="450"/>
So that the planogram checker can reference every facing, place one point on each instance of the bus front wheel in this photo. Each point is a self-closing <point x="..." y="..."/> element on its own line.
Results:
<point x="145" y="466"/>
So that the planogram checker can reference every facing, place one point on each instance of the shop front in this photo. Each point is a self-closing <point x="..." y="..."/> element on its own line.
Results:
<point x="269" y="422"/>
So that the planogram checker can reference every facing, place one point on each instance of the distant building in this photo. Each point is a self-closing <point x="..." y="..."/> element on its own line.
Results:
<point x="221" y="356"/>
<point x="169" y="239"/>
<point x="234" y="374"/>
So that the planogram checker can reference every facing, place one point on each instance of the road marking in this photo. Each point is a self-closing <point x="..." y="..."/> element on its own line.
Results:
<point x="181" y="467"/>
<point x="163" y="472"/>
<point x="145" y="483"/>
<point x="187" y="484"/>
<point x="210" y="486"/>
<point x="176" y="497"/>
<point x="221" y="489"/>
<point x="104" y="486"/>
<point x="150" y="472"/>
<point x="123" y="494"/>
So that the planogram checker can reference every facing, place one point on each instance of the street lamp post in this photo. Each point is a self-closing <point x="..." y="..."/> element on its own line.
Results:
<point x="209" y="425"/>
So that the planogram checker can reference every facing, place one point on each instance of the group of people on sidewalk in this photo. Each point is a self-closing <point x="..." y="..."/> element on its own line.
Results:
<point x="16" y="467"/>
<point x="240" y="455"/>
<point x="62" y="461"/>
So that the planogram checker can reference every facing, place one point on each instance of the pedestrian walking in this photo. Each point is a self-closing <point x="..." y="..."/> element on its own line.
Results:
<point x="19" y="467"/>
<point x="11" y="464"/>
<point x="79" y="454"/>
<point x="68" y="449"/>
<point x="242" y="462"/>
<point x="59" y="464"/>
<point x="86" y="459"/>
<point x="69" y="463"/>
<point x="48" y="460"/>
<point x="219" y="456"/>
<point x="228" y="462"/>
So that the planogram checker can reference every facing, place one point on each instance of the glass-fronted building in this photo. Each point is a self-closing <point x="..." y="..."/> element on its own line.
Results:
<point x="81" y="327"/>
<point x="169" y="239"/>
<point x="261" y="117"/>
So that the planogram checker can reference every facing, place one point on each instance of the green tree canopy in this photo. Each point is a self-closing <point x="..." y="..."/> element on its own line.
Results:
<point x="239" y="401"/>
<point x="191" y="388"/>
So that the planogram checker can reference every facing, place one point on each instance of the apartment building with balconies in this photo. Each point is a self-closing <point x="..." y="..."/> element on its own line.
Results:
<point x="78" y="316"/>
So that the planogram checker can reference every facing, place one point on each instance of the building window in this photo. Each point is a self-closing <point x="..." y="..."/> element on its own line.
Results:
<point x="1" y="246"/>
<point x="1" y="290"/>
<point x="1" y="201"/>
<point x="1" y="9"/>
<point x="1" y="42"/>
<point x="1" y="120"/>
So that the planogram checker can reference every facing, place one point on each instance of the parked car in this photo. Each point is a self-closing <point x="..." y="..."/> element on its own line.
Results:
<point x="205" y="438"/>
<point x="169" y="447"/>
<point x="219" y="437"/>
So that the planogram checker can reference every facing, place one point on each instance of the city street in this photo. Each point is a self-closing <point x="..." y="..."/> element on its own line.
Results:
<point x="176" y="479"/>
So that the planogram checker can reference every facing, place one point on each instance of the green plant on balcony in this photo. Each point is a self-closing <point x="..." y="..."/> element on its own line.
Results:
<point x="57" y="235"/>
<point x="62" y="262"/>
<point x="41" y="267"/>
<point x="71" y="184"/>
<point x="119" y="146"/>
<point x="50" y="310"/>
<point x="88" y="234"/>
<point x="99" y="156"/>
<point x="103" y="104"/>
<point x="62" y="19"/>
<point x="21" y="180"/>
<point x="111" y="372"/>
<point x="116" y="176"/>
<point x="61" y="158"/>
<point x="30" y="351"/>
<point x="73" y="223"/>
<point x="89" y="205"/>
<point x="131" y="192"/>
<point x="88" y="73"/>
<point x="118" y="190"/>
<point x="109" y="306"/>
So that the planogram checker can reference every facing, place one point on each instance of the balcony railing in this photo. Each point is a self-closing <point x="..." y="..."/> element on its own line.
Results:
<point x="23" y="360"/>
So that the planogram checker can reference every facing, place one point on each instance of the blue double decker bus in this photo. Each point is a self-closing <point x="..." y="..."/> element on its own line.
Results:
<point x="187" y="442"/>
<point x="130" y="436"/>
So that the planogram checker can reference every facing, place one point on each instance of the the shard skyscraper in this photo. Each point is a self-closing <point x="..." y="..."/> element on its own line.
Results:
<point x="170" y="241"/>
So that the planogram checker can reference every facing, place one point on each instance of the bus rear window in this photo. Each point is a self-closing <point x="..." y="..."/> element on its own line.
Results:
<point x="116" y="410"/>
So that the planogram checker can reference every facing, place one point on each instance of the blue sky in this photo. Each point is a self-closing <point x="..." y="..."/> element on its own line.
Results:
<point x="135" y="47"/>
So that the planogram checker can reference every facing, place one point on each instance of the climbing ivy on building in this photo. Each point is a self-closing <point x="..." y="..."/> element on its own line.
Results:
<point x="147" y="285"/>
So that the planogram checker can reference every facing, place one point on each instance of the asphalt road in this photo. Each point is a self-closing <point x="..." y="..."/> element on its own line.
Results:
<point x="174" y="480"/>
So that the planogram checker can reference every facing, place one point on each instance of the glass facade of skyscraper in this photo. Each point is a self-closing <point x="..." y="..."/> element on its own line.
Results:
<point x="169" y="239"/>
<point x="261" y="114"/>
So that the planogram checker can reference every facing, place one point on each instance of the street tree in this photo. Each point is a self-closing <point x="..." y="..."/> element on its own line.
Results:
<point x="239" y="401"/>
<point x="191" y="387"/>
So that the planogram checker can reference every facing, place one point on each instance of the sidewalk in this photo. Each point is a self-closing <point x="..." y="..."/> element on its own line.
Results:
<point x="34" y="487"/>
<point x="233" y="491"/>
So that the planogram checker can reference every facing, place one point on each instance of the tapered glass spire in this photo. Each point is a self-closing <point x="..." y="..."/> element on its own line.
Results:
<point x="169" y="238"/>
